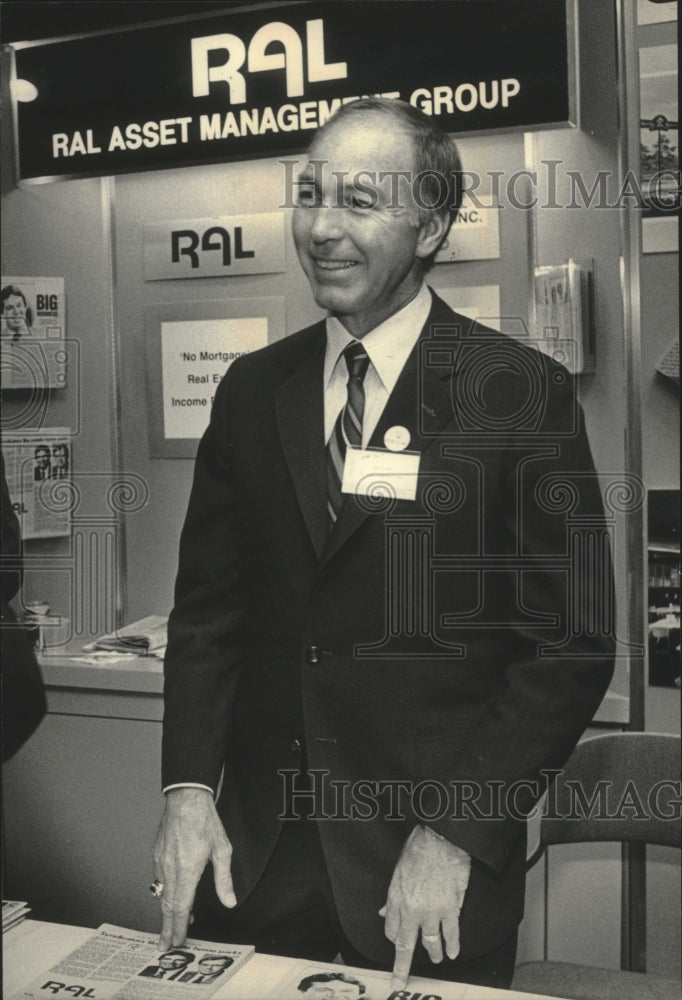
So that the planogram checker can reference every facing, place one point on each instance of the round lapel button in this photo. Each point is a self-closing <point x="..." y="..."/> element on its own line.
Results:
<point x="397" y="438"/>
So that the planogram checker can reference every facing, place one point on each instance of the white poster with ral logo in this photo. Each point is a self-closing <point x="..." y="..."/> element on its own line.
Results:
<point x="218" y="247"/>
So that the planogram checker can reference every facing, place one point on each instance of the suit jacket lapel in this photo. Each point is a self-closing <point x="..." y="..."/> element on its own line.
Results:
<point x="300" y="418"/>
<point x="421" y="401"/>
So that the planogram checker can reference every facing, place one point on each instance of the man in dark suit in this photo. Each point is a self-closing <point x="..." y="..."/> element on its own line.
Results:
<point x="373" y="624"/>
<point x="41" y="469"/>
<point x="209" y="968"/>
<point x="60" y="469"/>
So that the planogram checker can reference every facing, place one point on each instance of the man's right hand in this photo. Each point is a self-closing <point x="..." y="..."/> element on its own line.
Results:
<point x="190" y="835"/>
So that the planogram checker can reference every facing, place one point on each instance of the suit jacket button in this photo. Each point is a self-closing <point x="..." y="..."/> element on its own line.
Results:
<point x="313" y="654"/>
<point x="296" y="746"/>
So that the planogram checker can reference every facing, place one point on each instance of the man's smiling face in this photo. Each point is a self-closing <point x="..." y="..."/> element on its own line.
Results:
<point x="359" y="238"/>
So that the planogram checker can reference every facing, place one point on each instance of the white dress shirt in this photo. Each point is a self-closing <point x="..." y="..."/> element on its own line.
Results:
<point x="388" y="347"/>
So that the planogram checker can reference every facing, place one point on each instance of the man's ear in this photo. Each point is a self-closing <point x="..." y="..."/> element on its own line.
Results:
<point x="432" y="232"/>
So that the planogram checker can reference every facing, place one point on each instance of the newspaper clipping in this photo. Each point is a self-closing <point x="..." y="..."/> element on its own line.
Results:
<point x="338" y="982"/>
<point x="120" y="964"/>
<point x="37" y="464"/>
<point x="32" y="307"/>
<point x="33" y="331"/>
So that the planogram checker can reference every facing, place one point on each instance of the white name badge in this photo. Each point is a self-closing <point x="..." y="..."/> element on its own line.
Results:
<point x="376" y="473"/>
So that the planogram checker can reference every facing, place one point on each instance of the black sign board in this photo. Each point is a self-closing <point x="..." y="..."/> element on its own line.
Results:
<point x="258" y="82"/>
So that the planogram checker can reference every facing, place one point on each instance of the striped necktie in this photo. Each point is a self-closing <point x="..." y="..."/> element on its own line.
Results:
<point x="347" y="430"/>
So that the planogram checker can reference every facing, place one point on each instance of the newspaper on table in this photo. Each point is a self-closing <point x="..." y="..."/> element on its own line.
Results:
<point x="38" y="470"/>
<point x="316" y="980"/>
<point x="339" y="982"/>
<point x="119" y="964"/>
<point x="146" y="637"/>
<point x="13" y="912"/>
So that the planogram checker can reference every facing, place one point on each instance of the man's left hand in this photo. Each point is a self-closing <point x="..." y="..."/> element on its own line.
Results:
<point x="425" y="896"/>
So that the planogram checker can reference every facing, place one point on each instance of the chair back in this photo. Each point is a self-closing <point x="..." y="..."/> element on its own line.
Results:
<point x="619" y="787"/>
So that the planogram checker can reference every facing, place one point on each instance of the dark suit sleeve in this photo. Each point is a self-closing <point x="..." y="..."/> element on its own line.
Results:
<point x="204" y="653"/>
<point x="551" y="506"/>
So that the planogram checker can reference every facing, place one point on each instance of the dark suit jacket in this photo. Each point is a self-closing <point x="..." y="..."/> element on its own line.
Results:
<point x="406" y="646"/>
<point x="198" y="977"/>
<point x="156" y="972"/>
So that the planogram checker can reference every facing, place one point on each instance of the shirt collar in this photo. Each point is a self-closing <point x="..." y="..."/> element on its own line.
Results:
<point x="388" y="345"/>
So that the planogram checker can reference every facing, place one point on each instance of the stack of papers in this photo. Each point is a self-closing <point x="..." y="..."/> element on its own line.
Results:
<point x="115" y="963"/>
<point x="669" y="365"/>
<point x="13" y="913"/>
<point x="148" y="637"/>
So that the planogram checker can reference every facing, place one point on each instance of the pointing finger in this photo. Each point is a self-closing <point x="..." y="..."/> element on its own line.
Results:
<point x="451" y="934"/>
<point x="166" y="927"/>
<point x="404" y="949"/>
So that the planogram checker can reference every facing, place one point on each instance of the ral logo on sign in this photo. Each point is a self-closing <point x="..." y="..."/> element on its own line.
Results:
<point x="206" y="248"/>
<point x="220" y="58"/>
